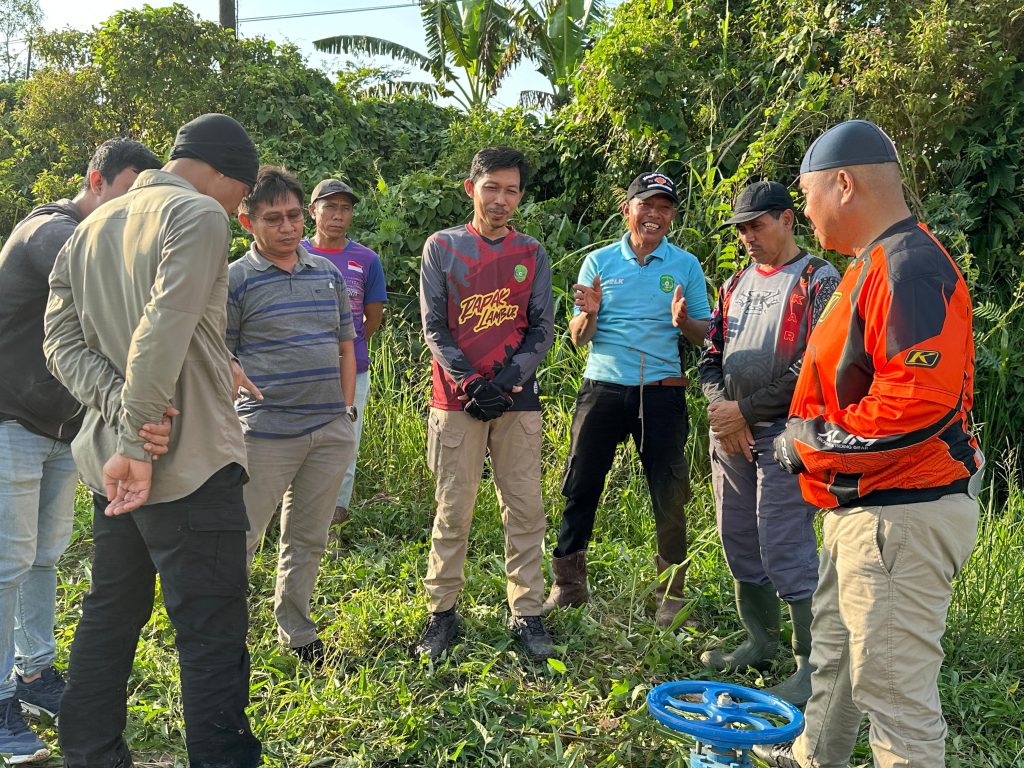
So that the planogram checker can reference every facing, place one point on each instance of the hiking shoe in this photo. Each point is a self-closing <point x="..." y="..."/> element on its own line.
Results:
<point x="777" y="755"/>
<point x="42" y="695"/>
<point x="18" y="743"/>
<point x="314" y="654"/>
<point x="530" y="631"/>
<point x="439" y="633"/>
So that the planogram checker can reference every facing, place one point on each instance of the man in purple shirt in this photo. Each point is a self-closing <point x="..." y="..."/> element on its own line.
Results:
<point x="331" y="207"/>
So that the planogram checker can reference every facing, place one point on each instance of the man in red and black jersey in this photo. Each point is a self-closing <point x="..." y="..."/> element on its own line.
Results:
<point x="488" y="318"/>
<point x="879" y="434"/>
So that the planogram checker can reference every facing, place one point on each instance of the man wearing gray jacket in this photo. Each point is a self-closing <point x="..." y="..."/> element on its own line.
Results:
<point x="136" y="323"/>
<point x="38" y="419"/>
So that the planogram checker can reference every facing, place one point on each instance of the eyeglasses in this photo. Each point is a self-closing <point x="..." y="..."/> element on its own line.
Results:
<point x="277" y="219"/>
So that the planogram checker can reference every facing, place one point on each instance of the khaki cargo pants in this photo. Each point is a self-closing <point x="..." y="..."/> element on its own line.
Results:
<point x="884" y="586"/>
<point x="456" y="446"/>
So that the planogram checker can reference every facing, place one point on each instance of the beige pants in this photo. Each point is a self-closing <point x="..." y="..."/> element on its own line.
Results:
<point x="456" y="445"/>
<point x="305" y="471"/>
<point x="884" y="585"/>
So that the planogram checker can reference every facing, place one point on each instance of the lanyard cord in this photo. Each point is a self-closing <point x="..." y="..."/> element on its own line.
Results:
<point x="642" y="423"/>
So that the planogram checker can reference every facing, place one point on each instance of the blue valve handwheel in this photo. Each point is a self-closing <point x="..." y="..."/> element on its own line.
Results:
<point x="724" y="716"/>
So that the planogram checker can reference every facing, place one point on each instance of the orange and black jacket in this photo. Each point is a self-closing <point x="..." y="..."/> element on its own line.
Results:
<point x="880" y="410"/>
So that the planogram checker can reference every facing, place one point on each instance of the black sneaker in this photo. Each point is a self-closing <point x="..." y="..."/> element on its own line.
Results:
<point x="42" y="695"/>
<point x="530" y="631"/>
<point x="18" y="743"/>
<point x="314" y="654"/>
<point x="439" y="633"/>
<point x="777" y="755"/>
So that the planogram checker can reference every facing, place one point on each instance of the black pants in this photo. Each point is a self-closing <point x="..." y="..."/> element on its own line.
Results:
<point x="605" y="415"/>
<point x="197" y="545"/>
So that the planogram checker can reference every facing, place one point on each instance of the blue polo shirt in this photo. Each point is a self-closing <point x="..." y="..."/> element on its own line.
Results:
<point x="634" y="323"/>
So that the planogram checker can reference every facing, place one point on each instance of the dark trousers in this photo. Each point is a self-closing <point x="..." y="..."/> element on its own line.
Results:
<point x="605" y="415"/>
<point x="197" y="545"/>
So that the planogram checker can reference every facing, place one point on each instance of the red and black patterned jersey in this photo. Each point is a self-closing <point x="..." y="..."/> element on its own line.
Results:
<point x="487" y="311"/>
<point x="881" y="406"/>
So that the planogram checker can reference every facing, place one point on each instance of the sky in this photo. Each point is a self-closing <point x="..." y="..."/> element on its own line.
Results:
<point x="395" y="20"/>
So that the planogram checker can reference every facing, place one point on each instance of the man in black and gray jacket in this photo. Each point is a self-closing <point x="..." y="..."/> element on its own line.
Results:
<point x="38" y="419"/>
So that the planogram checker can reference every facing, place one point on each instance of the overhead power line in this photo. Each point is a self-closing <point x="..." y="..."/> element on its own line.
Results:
<point x="328" y="13"/>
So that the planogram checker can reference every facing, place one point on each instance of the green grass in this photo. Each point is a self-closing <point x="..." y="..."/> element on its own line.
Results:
<point x="487" y="705"/>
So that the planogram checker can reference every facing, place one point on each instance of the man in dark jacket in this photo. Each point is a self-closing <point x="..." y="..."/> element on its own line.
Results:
<point x="38" y="418"/>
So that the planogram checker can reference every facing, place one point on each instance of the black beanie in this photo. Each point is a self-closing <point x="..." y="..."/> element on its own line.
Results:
<point x="219" y="141"/>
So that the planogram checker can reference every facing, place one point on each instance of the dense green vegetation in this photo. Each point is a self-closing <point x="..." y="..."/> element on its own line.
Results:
<point x="715" y="93"/>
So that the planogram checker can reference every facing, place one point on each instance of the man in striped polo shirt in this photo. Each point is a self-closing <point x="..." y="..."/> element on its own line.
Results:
<point x="290" y="326"/>
<point x="485" y="298"/>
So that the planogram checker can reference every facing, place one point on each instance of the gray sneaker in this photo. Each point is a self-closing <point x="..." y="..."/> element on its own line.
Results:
<point x="439" y="633"/>
<point x="18" y="743"/>
<point x="777" y="755"/>
<point x="531" y="633"/>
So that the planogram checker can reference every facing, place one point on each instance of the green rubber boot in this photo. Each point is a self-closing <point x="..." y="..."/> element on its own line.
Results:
<point x="796" y="689"/>
<point x="760" y="615"/>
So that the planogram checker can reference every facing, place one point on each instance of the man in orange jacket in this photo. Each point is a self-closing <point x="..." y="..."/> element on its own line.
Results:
<point x="879" y="434"/>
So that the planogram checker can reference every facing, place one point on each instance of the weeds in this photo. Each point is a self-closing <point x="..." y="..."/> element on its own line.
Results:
<point x="487" y="705"/>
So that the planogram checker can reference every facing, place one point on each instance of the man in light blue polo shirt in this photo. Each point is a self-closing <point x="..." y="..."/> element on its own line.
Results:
<point x="633" y="300"/>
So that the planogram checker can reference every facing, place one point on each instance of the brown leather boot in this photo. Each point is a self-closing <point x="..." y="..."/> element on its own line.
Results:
<point x="668" y="592"/>
<point x="569" y="582"/>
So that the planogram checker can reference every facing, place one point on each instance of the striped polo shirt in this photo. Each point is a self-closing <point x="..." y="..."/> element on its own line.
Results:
<point x="284" y="328"/>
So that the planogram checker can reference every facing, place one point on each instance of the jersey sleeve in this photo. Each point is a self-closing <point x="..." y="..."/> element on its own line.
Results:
<point x="588" y="271"/>
<point x="712" y="378"/>
<point x="918" y="338"/>
<point x="434" y="314"/>
<point x="376" y="289"/>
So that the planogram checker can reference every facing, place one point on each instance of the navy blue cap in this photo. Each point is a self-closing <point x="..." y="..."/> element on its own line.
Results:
<point x="855" y="142"/>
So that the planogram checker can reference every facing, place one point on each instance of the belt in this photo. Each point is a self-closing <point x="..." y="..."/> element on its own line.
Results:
<point x="671" y="381"/>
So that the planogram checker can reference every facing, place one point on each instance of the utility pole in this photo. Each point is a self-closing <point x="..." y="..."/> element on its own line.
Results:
<point x="229" y="15"/>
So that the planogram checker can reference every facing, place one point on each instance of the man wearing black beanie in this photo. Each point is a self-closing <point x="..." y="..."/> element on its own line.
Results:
<point x="148" y="334"/>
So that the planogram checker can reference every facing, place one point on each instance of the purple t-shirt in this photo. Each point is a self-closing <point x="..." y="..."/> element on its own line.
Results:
<point x="364" y="278"/>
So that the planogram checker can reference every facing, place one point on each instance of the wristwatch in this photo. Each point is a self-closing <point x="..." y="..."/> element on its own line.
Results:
<point x="351" y="412"/>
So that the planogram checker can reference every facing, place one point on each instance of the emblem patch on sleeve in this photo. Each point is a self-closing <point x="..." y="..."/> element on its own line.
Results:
<point x="923" y="358"/>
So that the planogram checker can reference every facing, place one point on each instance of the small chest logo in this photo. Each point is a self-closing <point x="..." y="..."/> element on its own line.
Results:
<point x="520" y="273"/>
<point x="667" y="283"/>
<point x="923" y="358"/>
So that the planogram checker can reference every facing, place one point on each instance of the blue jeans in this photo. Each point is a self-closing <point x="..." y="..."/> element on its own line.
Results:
<point x="37" y="507"/>
<point x="362" y="395"/>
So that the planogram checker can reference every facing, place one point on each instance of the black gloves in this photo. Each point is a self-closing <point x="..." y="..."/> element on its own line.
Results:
<point x="785" y="456"/>
<point x="486" y="401"/>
